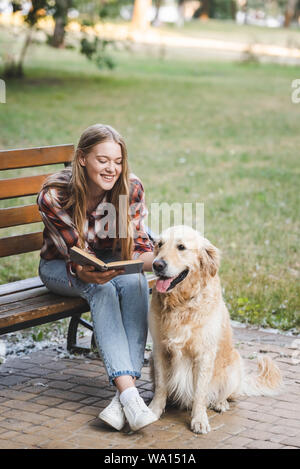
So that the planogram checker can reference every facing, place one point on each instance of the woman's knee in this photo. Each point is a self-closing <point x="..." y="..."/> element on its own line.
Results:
<point x="54" y="275"/>
<point x="101" y="292"/>
<point x="132" y="283"/>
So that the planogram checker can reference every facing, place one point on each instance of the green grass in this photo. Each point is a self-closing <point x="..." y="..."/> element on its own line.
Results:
<point x="231" y="31"/>
<point x="225" y="134"/>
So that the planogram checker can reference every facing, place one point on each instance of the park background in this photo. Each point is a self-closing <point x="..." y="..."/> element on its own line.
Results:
<point x="202" y="93"/>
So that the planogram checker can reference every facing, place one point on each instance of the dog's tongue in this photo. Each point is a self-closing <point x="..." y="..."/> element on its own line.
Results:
<point x="162" y="284"/>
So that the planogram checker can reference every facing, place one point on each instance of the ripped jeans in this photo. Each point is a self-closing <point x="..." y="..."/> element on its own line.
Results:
<point x="119" y="310"/>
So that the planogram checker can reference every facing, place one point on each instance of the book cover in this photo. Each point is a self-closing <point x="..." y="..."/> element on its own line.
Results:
<point x="79" y="256"/>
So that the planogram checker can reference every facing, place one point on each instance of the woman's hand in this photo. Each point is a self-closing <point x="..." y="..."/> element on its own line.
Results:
<point x="88" y="274"/>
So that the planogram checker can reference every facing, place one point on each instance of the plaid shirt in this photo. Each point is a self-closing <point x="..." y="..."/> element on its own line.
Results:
<point x="60" y="233"/>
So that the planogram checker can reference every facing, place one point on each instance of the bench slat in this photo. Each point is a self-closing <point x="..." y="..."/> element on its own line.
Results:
<point x="20" y="187"/>
<point x="24" y="295"/>
<point x="50" y="305"/>
<point x="34" y="303"/>
<point x="21" y="244"/>
<point x="20" y="285"/>
<point x="29" y="157"/>
<point x="35" y="282"/>
<point x="19" y="216"/>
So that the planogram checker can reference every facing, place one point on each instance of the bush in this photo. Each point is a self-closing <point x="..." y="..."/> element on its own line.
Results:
<point x="95" y="51"/>
<point x="223" y="9"/>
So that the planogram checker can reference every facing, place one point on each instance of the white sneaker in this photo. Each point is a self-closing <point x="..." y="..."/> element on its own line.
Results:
<point x="138" y="414"/>
<point x="113" y="414"/>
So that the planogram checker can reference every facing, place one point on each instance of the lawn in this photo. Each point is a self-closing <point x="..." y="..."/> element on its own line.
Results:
<point x="221" y="133"/>
<point x="231" y="31"/>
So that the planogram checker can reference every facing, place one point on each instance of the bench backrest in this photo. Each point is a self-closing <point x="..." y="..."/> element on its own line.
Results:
<point x="26" y="186"/>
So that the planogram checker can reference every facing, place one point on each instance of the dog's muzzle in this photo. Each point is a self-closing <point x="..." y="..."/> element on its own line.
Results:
<point x="165" y="284"/>
<point x="159" y="266"/>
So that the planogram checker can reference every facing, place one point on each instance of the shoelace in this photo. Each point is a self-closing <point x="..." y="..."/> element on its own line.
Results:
<point x="115" y="403"/>
<point x="136" y="404"/>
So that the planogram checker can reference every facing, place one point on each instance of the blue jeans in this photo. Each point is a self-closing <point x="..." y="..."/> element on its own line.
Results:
<point x="119" y="311"/>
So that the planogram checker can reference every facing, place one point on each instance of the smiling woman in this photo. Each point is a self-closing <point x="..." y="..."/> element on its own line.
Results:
<point x="72" y="205"/>
<point x="103" y="167"/>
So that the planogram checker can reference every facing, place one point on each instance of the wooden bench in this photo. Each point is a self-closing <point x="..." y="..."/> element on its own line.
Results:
<point x="28" y="302"/>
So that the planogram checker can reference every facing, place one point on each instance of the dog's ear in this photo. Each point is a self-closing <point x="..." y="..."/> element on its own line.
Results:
<point x="214" y="259"/>
<point x="154" y="242"/>
<point x="209" y="259"/>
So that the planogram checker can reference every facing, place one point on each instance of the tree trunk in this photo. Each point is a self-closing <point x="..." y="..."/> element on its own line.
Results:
<point x="290" y="12"/>
<point x="61" y="18"/>
<point x="140" y="14"/>
<point x="155" y="21"/>
<point x="58" y="37"/>
<point x="233" y="8"/>
<point x="245" y="9"/>
<point x="19" y="71"/>
<point x="205" y="9"/>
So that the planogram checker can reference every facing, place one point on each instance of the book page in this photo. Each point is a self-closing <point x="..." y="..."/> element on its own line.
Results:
<point x="132" y="261"/>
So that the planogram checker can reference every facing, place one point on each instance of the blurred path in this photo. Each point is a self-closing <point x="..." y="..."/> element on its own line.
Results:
<point x="223" y="47"/>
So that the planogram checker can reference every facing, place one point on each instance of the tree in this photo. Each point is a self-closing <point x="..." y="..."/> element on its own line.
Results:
<point x="38" y="10"/>
<point x="205" y="9"/>
<point x="245" y="10"/>
<point x="155" y="20"/>
<point x="290" y="12"/>
<point x="60" y="16"/>
<point x="94" y="50"/>
<point x="140" y="14"/>
<point x="221" y="9"/>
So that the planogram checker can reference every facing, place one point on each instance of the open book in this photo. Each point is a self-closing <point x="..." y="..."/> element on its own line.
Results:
<point x="79" y="256"/>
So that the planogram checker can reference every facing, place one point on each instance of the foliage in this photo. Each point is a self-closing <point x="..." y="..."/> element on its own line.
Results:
<point x="37" y="11"/>
<point x="13" y="67"/>
<point x="226" y="9"/>
<point x="111" y="8"/>
<point x="219" y="9"/>
<point x="223" y="9"/>
<point x="95" y="50"/>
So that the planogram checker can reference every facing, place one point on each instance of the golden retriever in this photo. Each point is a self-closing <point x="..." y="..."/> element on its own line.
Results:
<point x="195" y="362"/>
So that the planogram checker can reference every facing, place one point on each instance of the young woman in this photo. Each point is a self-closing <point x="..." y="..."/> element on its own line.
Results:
<point x="74" y="205"/>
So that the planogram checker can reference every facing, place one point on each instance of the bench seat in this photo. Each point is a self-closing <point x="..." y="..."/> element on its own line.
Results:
<point x="28" y="303"/>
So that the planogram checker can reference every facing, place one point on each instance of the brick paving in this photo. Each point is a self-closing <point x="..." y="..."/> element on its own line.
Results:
<point x="51" y="401"/>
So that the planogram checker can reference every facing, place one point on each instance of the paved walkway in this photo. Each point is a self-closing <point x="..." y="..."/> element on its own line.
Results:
<point x="51" y="401"/>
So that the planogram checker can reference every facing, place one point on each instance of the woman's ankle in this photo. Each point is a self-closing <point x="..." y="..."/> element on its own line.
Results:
<point x="124" y="382"/>
<point x="128" y="394"/>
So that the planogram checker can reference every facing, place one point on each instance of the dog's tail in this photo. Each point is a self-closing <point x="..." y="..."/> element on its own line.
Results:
<point x="267" y="382"/>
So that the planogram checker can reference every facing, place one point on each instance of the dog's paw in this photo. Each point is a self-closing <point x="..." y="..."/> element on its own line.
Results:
<point x="221" y="406"/>
<point x="200" y="425"/>
<point x="156" y="408"/>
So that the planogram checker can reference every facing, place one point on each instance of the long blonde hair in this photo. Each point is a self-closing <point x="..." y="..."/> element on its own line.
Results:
<point x="74" y="195"/>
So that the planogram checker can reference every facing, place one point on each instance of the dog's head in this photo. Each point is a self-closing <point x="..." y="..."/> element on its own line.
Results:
<point x="181" y="254"/>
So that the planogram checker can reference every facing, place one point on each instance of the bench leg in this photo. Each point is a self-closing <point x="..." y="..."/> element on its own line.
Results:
<point x="72" y="334"/>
